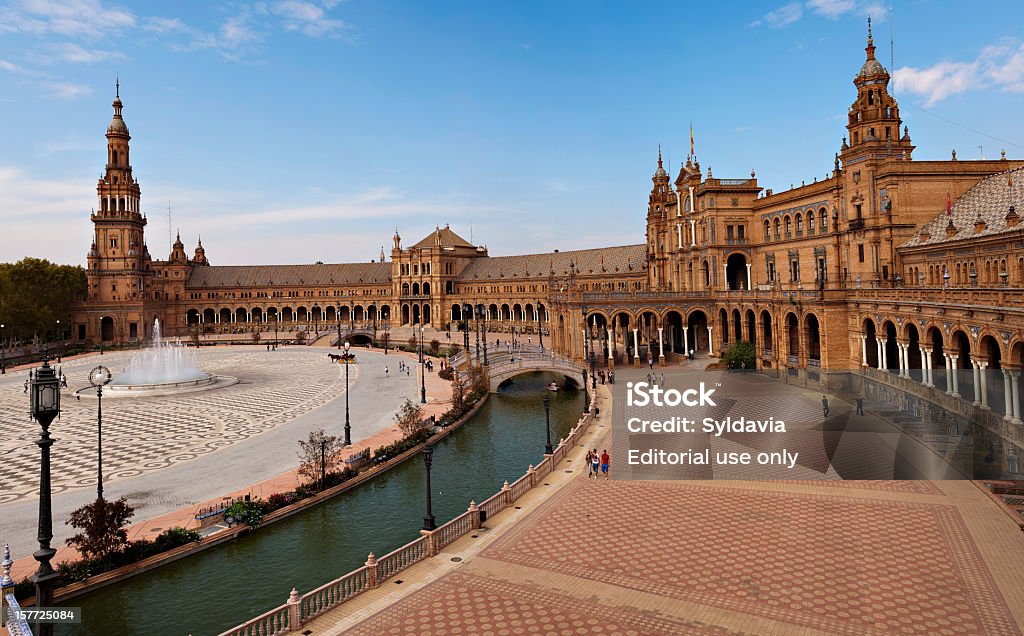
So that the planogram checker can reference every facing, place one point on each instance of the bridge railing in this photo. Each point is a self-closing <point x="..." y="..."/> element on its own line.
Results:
<point x="299" y="610"/>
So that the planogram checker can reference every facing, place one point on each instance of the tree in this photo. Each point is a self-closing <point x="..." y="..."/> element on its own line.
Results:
<point x="435" y="346"/>
<point x="103" y="526"/>
<point x="478" y="381"/>
<point x="35" y="294"/>
<point x="458" y="393"/>
<point x="410" y="418"/>
<point x="319" y="454"/>
<point x="414" y="342"/>
<point x="740" y="355"/>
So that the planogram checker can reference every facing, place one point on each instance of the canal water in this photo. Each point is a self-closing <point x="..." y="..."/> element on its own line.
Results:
<point x="224" y="586"/>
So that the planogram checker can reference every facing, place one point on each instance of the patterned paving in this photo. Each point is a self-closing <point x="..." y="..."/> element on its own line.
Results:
<point x="827" y="563"/>
<point x="146" y="434"/>
<point x="477" y="605"/>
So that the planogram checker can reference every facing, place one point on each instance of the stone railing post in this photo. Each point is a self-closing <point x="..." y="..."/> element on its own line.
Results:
<point x="431" y="536"/>
<point x="371" y="572"/>
<point x="532" y="472"/>
<point x="506" y="495"/>
<point x="474" y="516"/>
<point x="294" y="610"/>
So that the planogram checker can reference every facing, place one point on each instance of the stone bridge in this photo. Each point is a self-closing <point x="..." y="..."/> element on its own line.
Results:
<point x="355" y="335"/>
<point x="502" y="366"/>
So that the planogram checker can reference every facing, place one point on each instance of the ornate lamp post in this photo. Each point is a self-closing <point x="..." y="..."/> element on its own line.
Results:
<point x="338" y="316"/>
<point x="98" y="378"/>
<point x="3" y="349"/>
<point x="483" y="327"/>
<point x="277" y="324"/>
<point x="60" y="337"/>
<point x="348" y="425"/>
<point x="540" y="328"/>
<point x="423" y="371"/>
<point x="547" y="423"/>
<point x="465" y="329"/>
<point x="45" y="407"/>
<point x="476" y="316"/>
<point x="428" y="457"/>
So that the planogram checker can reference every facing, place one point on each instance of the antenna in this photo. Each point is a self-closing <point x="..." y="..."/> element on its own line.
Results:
<point x="981" y="151"/>
<point x="170" y="241"/>
<point x="892" y="53"/>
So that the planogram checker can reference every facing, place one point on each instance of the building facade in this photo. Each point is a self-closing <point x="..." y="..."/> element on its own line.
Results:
<point x="885" y="262"/>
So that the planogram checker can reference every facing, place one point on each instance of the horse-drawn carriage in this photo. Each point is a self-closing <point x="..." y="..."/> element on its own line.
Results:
<point x="342" y="358"/>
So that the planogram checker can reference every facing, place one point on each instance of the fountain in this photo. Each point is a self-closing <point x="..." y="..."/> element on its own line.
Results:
<point x="162" y="368"/>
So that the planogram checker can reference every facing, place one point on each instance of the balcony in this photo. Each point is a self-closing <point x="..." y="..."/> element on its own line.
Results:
<point x="857" y="224"/>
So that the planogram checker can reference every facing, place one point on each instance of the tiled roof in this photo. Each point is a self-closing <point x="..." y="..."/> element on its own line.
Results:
<point x="988" y="200"/>
<point x="285" y="275"/>
<point x="448" y="239"/>
<point x="607" y="260"/>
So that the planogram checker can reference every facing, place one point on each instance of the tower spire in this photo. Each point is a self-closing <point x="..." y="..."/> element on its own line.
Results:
<point x="870" y="48"/>
<point x="117" y="86"/>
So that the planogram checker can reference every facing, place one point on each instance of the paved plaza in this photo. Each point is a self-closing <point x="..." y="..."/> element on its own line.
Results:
<point x="169" y="452"/>
<point x="723" y="557"/>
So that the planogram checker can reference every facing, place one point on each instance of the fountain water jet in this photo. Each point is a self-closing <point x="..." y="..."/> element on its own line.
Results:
<point x="164" y="368"/>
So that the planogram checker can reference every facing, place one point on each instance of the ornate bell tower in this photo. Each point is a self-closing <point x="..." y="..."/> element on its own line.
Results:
<point x="119" y="262"/>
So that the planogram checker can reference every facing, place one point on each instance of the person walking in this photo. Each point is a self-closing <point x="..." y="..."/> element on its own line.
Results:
<point x="824" y="405"/>
<point x="26" y="386"/>
<point x="386" y="372"/>
<point x="860" y="406"/>
<point x="595" y="460"/>
<point x="605" y="461"/>
<point x="590" y="464"/>
<point x="650" y="362"/>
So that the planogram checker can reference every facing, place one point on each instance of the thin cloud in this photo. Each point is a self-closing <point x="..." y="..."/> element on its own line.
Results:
<point x="65" y="91"/>
<point x="74" y="53"/>
<point x="1000" y="66"/>
<point x="73" y="18"/>
<point x="783" y="16"/>
<point x="308" y="18"/>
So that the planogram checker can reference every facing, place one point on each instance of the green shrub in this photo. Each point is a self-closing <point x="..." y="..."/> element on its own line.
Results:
<point x="740" y="355"/>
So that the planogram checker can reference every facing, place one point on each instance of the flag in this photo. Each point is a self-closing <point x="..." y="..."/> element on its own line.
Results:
<point x="692" y="153"/>
<point x="949" y="206"/>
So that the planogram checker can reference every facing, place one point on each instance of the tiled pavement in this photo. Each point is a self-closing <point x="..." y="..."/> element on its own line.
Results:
<point x="722" y="557"/>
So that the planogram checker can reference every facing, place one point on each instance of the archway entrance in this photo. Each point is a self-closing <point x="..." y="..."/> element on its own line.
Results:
<point x="106" y="328"/>
<point x="736" y="271"/>
<point x="697" y="332"/>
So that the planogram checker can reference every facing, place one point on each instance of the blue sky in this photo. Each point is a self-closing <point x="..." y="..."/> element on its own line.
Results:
<point x="288" y="131"/>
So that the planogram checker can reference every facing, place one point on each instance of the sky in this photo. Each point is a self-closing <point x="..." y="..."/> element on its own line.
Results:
<point x="291" y="131"/>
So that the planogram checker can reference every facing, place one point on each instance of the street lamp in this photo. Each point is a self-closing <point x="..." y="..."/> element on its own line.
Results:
<point x="323" y="462"/>
<point x="423" y="371"/>
<point x="45" y="407"/>
<point x="338" y="316"/>
<point x="3" y="349"/>
<point x="483" y="314"/>
<point x="98" y="378"/>
<point x="428" y="456"/>
<point x="540" y="328"/>
<point x="60" y="352"/>
<point x="547" y="423"/>
<point x="586" y="395"/>
<point x="465" y="329"/>
<point x="348" y="425"/>
<point x="277" y="324"/>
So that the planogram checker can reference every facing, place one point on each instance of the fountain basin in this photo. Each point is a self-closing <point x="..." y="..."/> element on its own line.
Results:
<point x="205" y="383"/>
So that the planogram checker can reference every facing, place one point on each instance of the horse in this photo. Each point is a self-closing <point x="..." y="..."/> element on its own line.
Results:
<point x="334" y="357"/>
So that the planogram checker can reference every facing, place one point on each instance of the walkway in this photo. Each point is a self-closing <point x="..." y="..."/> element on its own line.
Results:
<point x="719" y="557"/>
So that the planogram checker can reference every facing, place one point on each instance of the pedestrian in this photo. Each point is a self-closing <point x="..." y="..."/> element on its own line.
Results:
<point x="860" y="406"/>
<point x="824" y="405"/>
<point x="595" y="460"/>
<point x="385" y="372"/>
<point x="26" y="386"/>
<point x="650" y="362"/>
<point x="590" y="466"/>
<point x="691" y="354"/>
<point x="611" y="377"/>
<point x="662" y="379"/>
<point x="605" y="461"/>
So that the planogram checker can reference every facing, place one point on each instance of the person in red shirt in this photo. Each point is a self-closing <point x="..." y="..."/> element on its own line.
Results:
<point x="605" y="460"/>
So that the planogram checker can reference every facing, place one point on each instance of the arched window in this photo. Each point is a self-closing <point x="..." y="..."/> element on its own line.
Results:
<point x="823" y="219"/>
<point x="799" y="224"/>
<point x="767" y="230"/>
<point x="789" y="226"/>
<point x="778" y="232"/>
<point x="810" y="222"/>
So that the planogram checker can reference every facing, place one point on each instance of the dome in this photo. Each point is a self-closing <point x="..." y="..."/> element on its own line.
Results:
<point x="872" y="67"/>
<point x="117" y="125"/>
<point x="660" y="172"/>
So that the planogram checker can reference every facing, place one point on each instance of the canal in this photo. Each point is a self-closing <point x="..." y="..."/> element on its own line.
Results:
<point x="214" y="590"/>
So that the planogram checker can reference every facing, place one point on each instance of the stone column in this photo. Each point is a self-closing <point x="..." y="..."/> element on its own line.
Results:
<point x="686" y="340"/>
<point x="661" y="346"/>
<point x="725" y="277"/>
<point x="980" y="369"/>
<point x="926" y="367"/>
<point x="1007" y="405"/>
<point x="949" y="373"/>
<point x="976" y="374"/>
<point x="863" y="350"/>
<point x="693" y="228"/>
<point x="952" y="362"/>
<point x="1015" y="400"/>
<point x="748" y="277"/>
<point x="636" y="348"/>
<point x="711" y="343"/>
<point x="883" y="355"/>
